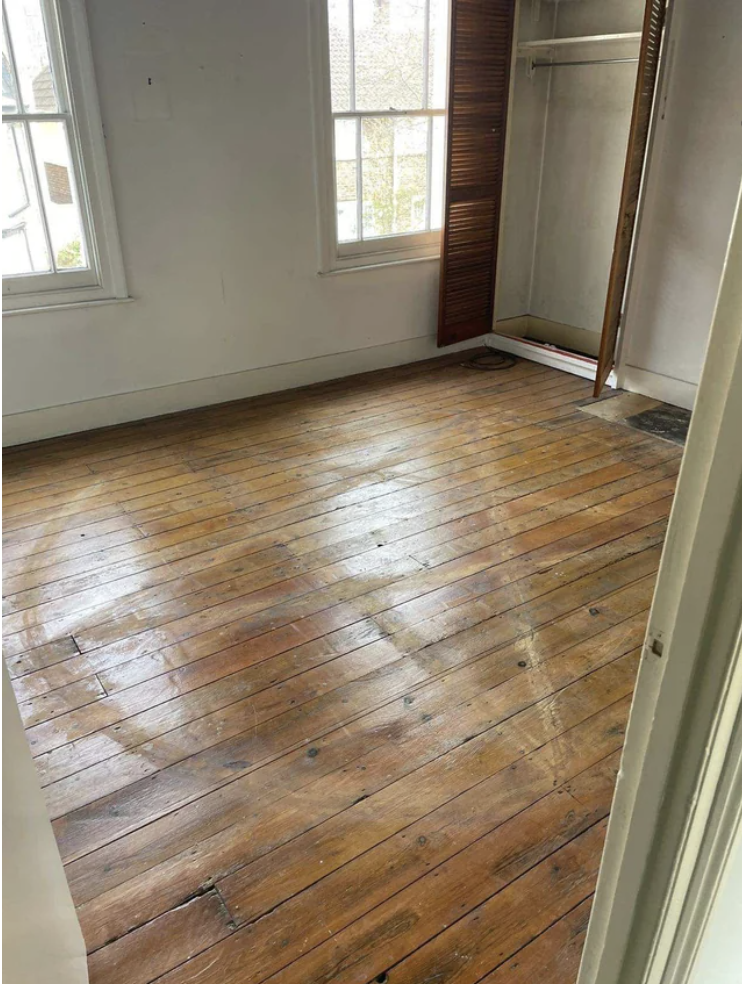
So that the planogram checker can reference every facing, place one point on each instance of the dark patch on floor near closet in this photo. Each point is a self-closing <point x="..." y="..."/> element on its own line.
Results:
<point x="668" y="422"/>
<point x="641" y="413"/>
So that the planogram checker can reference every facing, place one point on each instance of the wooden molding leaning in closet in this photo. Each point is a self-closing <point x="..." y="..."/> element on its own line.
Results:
<point x="646" y="81"/>
<point x="478" y="97"/>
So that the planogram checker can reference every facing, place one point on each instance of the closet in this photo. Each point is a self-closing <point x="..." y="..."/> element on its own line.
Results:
<point x="549" y="112"/>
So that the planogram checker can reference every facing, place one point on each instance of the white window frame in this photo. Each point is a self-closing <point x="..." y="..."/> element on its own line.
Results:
<point x="381" y="251"/>
<point x="72" y="62"/>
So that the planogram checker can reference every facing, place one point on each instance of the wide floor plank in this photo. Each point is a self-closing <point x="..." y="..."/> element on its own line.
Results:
<point x="331" y="685"/>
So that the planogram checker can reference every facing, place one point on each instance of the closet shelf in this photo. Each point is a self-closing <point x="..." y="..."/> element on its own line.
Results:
<point x="529" y="47"/>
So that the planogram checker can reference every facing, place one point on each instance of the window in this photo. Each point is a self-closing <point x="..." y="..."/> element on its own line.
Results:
<point x="383" y="106"/>
<point x="59" y="238"/>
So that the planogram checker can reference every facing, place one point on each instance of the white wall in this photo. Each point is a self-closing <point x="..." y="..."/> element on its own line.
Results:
<point x="692" y="187"/>
<point x="42" y="941"/>
<point x="526" y="127"/>
<point x="569" y="129"/>
<point x="520" y="207"/>
<point x="584" y="160"/>
<point x="216" y="209"/>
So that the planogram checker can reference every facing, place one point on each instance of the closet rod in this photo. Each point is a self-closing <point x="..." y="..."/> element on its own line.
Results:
<point x="589" y="61"/>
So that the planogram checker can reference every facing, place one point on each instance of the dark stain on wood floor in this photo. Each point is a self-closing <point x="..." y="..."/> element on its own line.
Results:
<point x="331" y="685"/>
<point x="665" y="421"/>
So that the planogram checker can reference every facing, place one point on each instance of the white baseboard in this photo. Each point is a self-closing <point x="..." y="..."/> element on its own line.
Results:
<point x="578" y="365"/>
<point x="555" y="332"/>
<point x="664" y="388"/>
<point x="674" y="391"/>
<point x="35" y="425"/>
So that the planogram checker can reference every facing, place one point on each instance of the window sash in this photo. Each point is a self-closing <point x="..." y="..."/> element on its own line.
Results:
<point x="373" y="250"/>
<point x="365" y="245"/>
<point x="68" y="42"/>
<point x="352" y="114"/>
<point x="55" y="278"/>
<point x="390" y="244"/>
<point x="86" y="276"/>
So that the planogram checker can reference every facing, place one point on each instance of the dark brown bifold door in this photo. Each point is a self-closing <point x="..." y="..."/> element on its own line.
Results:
<point x="646" y="79"/>
<point x="478" y="92"/>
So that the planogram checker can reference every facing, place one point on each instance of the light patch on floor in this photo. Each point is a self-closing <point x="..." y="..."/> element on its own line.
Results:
<point x="619" y="407"/>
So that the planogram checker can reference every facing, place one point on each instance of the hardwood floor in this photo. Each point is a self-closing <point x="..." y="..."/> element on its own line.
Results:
<point x="331" y="685"/>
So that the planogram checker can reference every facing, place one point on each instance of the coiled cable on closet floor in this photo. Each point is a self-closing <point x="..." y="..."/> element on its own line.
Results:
<point x="490" y="361"/>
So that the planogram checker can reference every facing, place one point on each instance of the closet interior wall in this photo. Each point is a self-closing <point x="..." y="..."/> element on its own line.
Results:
<point x="568" y="136"/>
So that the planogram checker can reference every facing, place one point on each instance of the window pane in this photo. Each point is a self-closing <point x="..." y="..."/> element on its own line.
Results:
<point x="61" y="203"/>
<point x="389" y="54"/>
<point x="346" y="179"/>
<point x="10" y="89"/>
<point x="394" y="175"/>
<point x="24" y="243"/>
<point x="438" y="54"/>
<point x="339" y="27"/>
<point x="31" y="52"/>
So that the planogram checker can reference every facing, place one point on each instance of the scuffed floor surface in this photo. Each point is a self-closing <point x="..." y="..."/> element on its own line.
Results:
<point x="331" y="685"/>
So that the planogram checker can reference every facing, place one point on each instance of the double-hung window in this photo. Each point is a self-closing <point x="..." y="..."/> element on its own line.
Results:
<point x="59" y="235"/>
<point x="382" y="105"/>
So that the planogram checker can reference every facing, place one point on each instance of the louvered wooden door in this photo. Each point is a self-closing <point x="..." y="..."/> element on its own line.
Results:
<point x="479" y="83"/>
<point x="646" y="81"/>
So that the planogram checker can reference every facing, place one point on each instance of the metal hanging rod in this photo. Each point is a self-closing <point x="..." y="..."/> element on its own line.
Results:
<point x="587" y="61"/>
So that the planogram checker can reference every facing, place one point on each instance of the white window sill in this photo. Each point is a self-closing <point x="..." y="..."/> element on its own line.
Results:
<point x="67" y="306"/>
<point x="361" y="268"/>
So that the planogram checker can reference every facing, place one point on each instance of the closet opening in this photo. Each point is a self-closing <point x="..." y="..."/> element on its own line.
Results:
<point x="576" y="99"/>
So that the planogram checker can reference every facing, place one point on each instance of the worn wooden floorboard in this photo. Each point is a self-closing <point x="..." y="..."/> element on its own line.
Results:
<point x="330" y="685"/>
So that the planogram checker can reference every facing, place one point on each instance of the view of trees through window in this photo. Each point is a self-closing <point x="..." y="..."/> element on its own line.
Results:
<point x="388" y="62"/>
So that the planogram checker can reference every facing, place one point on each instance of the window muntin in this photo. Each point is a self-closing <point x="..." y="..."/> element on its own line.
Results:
<point x="388" y="65"/>
<point x="59" y="241"/>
